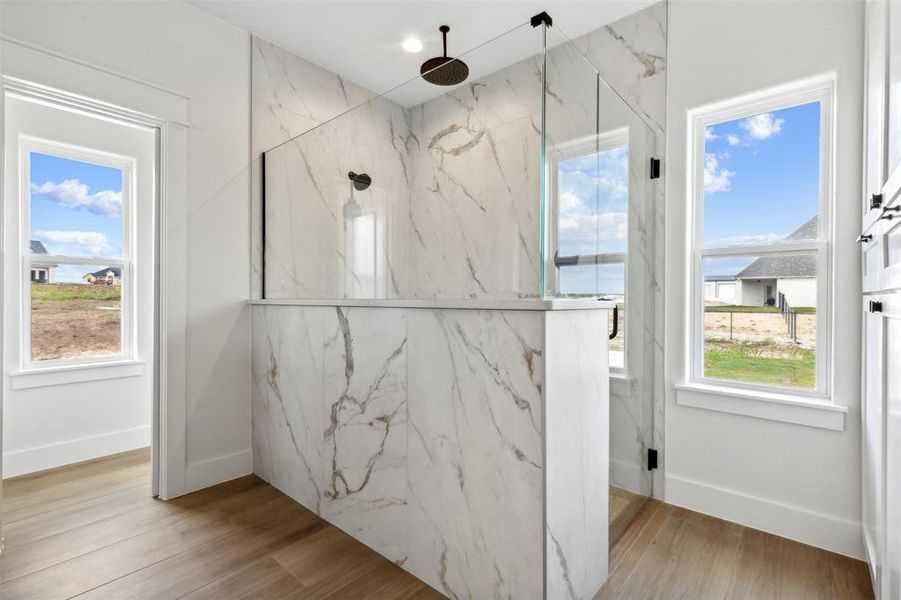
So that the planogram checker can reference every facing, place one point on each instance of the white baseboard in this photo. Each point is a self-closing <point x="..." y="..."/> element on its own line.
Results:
<point x="785" y="520"/>
<point x="204" y="473"/>
<point x="31" y="460"/>
<point x="625" y="475"/>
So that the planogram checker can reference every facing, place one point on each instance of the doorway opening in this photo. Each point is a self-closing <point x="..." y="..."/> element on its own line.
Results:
<point x="80" y="302"/>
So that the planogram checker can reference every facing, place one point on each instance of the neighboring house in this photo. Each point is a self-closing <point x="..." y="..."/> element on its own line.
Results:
<point x="107" y="276"/>
<point x="720" y="288"/>
<point x="40" y="271"/>
<point x="795" y="276"/>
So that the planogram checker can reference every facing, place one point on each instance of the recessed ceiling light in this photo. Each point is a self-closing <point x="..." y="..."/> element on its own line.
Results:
<point x="411" y="44"/>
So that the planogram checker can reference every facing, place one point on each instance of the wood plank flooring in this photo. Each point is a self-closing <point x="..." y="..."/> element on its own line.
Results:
<point x="92" y="531"/>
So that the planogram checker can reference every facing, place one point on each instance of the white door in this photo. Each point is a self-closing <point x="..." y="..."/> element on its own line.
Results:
<point x="80" y="201"/>
<point x="873" y="451"/>
<point x="891" y="311"/>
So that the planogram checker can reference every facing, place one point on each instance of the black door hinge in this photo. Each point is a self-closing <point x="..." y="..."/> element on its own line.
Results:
<point x="875" y="306"/>
<point x="875" y="201"/>
<point x="655" y="168"/>
<point x="652" y="459"/>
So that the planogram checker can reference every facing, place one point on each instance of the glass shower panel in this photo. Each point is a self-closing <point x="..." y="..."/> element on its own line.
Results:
<point x="600" y="221"/>
<point x="421" y="192"/>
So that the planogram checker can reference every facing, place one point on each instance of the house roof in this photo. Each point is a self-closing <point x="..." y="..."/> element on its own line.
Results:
<point x="789" y="265"/>
<point x="117" y="271"/>
<point x="38" y="247"/>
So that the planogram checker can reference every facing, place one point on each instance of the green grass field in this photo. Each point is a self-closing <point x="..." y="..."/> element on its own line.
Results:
<point x="58" y="292"/>
<point x="756" y="309"/>
<point x="754" y="363"/>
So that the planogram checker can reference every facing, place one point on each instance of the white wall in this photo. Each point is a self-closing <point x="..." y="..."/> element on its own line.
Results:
<point x="799" y="291"/>
<point x="177" y="47"/>
<point x="794" y="480"/>
<point x="753" y="291"/>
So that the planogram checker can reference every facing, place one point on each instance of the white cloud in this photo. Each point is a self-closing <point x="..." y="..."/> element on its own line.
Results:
<point x="587" y="228"/>
<point x="569" y="202"/>
<point x="760" y="127"/>
<point x="709" y="134"/>
<point x="733" y="139"/>
<point x="75" y="243"/>
<point x="74" y="194"/>
<point x="738" y="240"/>
<point x="716" y="178"/>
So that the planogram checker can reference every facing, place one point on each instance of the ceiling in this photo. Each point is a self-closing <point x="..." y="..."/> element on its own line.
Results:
<point x="361" y="40"/>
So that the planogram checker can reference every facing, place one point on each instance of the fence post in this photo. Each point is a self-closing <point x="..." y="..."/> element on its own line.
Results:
<point x="730" y="324"/>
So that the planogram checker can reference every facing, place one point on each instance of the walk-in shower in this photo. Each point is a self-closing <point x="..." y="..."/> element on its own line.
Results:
<point x="530" y="180"/>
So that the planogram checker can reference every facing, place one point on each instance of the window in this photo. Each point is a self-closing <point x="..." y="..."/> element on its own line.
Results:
<point x="591" y="232"/>
<point x="761" y="204"/>
<point x="75" y="224"/>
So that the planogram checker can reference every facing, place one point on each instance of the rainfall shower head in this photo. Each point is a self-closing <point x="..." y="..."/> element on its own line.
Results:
<point x="444" y="70"/>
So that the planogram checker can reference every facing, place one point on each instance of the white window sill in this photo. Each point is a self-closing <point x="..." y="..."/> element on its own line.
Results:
<point x="763" y="405"/>
<point x="65" y="374"/>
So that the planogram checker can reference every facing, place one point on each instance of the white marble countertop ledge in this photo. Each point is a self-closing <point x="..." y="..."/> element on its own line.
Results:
<point x="540" y="304"/>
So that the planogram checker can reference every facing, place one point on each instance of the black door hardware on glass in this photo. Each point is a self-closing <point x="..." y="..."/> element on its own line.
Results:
<point x="875" y="306"/>
<point x="652" y="459"/>
<point x="540" y="18"/>
<point x="875" y="201"/>
<point x="864" y="238"/>
<point x="655" y="168"/>
<point x="886" y="212"/>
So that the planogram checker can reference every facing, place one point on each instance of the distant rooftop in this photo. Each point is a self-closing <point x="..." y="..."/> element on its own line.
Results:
<point x="790" y="265"/>
<point x="37" y="247"/>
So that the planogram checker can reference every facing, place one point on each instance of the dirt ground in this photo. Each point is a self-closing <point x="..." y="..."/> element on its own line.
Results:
<point x="758" y="327"/>
<point x="74" y="328"/>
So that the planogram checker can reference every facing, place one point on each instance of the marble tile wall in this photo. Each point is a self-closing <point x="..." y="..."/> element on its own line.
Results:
<point x="474" y="211"/>
<point x="577" y="450"/>
<point x="413" y="430"/>
<point x="326" y="239"/>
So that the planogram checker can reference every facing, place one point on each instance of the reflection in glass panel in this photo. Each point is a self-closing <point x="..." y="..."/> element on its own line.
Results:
<point x="593" y="196"/>
<point x="77" y="320"/>
<point x="608" y="281"/>
<point x="762" y="177"/>
<point x="760" y="319"/>
<point x="76" y="207"/>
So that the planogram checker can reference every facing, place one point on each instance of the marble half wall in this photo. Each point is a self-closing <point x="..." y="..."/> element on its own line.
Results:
<point x="420" y="433"/>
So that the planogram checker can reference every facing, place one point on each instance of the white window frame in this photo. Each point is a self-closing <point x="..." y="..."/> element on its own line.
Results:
<point x="27" y="145"/>
<point x="819" y="89"/>
<point x="594" y="144"/>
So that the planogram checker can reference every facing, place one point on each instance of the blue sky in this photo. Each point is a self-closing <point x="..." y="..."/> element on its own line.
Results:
<point x="761" y="182"/>
<point x="76" y="210"/>
<point x="761" y="179"/>
<point x="593" y="193"/>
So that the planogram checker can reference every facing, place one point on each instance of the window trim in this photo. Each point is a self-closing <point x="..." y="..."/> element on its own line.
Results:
<point x="601" y="142"/>
<point x="816" y="89"/>
<point x="27" y="145"/>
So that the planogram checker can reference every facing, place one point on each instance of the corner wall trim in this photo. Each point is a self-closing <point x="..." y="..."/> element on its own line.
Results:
<point x="789" y="521"/>
<point x="219" y="469"/>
